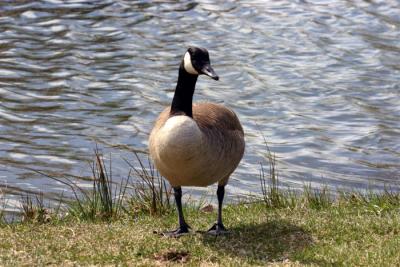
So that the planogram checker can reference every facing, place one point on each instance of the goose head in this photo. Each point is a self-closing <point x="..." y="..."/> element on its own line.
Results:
<point x="197" y="61"/>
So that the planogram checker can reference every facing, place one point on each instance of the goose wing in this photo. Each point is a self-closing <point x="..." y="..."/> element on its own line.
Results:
<point x="224" y="136"/>
<point x="214" y="117"/>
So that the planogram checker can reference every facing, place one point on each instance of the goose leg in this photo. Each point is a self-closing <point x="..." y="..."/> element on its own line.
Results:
<point x="183" y="226"/>
<point x="218" y="228"/>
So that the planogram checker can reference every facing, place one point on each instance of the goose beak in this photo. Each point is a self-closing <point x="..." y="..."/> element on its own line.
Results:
<point x="209" y="71"/>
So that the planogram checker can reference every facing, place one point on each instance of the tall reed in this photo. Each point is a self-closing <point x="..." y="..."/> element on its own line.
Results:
<point x="2" y="207"/>
<point x="150" y="191"/>
<point x="272" y="195"/>
<point x="104" y="200"/>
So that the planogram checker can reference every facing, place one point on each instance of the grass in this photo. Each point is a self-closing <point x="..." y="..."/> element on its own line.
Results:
<point x="34" y="210"/>
<point x="113" y="224"/>
<point x="150" y="193"/>
<point x="2" y="207"/>
<point x="342" y="235"/>
<point x="104" y="201"/>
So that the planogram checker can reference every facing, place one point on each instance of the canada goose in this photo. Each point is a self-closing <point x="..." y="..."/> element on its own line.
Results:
<point x="196" y="145"/>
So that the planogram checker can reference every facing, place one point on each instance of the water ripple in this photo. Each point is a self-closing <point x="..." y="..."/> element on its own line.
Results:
<point x="320" y="80"/>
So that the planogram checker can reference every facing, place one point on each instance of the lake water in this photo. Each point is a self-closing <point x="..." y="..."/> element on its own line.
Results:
<point x="319" y="79"/>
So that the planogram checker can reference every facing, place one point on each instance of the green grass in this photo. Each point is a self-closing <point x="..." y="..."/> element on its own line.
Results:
<point x="114" y="224"/>
<point x="342" y="234"/>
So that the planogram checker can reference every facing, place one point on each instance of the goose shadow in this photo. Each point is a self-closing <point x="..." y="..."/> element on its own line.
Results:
<point x="276" y="240"/>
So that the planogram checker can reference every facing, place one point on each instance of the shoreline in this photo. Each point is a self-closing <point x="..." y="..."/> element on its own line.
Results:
<point x="114" y="224"/>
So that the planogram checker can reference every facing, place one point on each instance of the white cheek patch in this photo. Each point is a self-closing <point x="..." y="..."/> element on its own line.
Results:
<point x="187" y="64"/>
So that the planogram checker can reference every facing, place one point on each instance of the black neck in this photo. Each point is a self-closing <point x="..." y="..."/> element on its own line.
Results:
<point x="182" y="101"/>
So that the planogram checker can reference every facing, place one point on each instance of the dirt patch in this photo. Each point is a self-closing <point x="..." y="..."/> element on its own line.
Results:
<point x="173" y="256"/>
<point x="207" y="209"/>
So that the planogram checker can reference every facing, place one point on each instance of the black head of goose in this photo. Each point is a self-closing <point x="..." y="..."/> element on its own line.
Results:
<point x="196" y="144"/>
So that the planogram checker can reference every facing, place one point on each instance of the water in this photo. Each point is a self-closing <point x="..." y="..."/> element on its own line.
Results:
<point x="319" y="79"/>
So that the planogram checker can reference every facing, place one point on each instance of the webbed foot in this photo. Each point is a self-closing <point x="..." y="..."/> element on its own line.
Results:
<point x="180" y="231"/>
<point x="218" y="229"/>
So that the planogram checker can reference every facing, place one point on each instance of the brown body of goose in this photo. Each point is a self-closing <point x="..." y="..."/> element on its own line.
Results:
<point x="187" y="156"/>
<point x="196" y="144"/>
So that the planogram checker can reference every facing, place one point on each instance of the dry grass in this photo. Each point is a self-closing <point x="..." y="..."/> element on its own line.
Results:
<point x="34" y="209"/>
